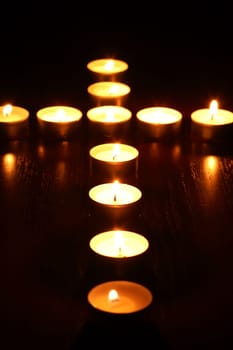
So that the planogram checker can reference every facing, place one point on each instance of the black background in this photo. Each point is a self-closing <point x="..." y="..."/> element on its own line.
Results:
<point x="182" y="59"/>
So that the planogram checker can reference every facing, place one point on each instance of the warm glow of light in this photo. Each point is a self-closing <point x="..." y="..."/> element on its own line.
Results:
<point x="9" y="160"/>
<point x="211" y="163"/>
<point x="119" y="242"/>
<point x="113" y="296"/>
<point x="113" y="89"/>
<point x="158" y="116"/>
<point x="7" y="109"/>
<point x="109" y="65"/>
<point x="116" y="151"/>
<point x="9" y="164"/>
<point x="213" y="109"/>
<point x="115" y="190"/>
<point x="60" y="115"/>
<point x="110" y="115"/>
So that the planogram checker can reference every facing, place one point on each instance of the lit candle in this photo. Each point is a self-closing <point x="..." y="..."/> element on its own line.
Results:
<point x="13" y="122"/>
<point x="109" y="92"/>
<point x="212" y="123"/>
<point x="120" y="297"/>
<point x="59" y="121"/>
<point x="107" y="67"/>
<point x="115" y="194"/>
<point x="113" y="160"/>
<point x="159" y="122"/>
<point x="119" y="244"/>
<point x="115" y="200"/>
<point x="109" y="120"/>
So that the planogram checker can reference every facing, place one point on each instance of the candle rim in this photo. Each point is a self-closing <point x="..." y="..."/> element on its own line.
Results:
<point x="92" y="89"/>
<point x="110" y="234"/>
<point x="41" y="114"/>
<point x="15" y="108"/>
<point x="140" y="115"/>
<point x="93" y="151"/>
<point x="120" y="66"/>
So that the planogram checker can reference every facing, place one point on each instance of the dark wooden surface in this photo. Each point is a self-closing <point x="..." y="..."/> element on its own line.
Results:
<point x="46" y="267"/>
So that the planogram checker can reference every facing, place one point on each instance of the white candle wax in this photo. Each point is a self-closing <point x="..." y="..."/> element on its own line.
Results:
<point x="109" y="114"/>
<point x="159" y="115"/>
<point x="114" y="152"/>
<point x="107" y="66"/>
<point x="119" y="244"/>
<point x="108" y="89"/>
<point x="113" y="194"/>
<point x="127" y="297"/>
<point x="13" y="114"/>
<point x="59" y="114"/>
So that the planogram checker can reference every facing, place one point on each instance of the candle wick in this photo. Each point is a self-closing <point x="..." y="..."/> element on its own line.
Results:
<point x="212" y="116"/>
<point x="120" y="251"/>
<point x="114" y="198"/>
<point x="114" y="157"/>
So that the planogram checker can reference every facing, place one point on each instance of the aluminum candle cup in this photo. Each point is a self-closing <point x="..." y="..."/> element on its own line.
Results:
<point x="107" y="69"/>
<point x="59" y="122"/>
<point x="14" y="122"/>
<point x="109" y="121"/>
<point x="113" y="160"/>
<point x="212" y="124"/>
<point x="120" y="297"/>
<point x="115" y="202"/>
<point x="109" y="92"/>
<point x="159" y="123"/>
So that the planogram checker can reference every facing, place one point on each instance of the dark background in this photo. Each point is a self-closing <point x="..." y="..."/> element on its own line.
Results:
<point x="178" y="54"/>
<point x="182" y="59"/>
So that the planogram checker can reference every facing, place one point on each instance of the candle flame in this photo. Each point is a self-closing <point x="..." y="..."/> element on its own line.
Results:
<point x="116" y="151"/>
<point x="113" y="90"/>
<point x="7" y="109"/>
<point x="110" y="116"/>
<point x="115" y="190"/>
<point x="113" y="296"/>
<point x="60" y="115"/>
<point x="158" y="116"/>
<point x="119" y="242"/>
<point x="213" y="109"/>
<point x="109" y="65"/>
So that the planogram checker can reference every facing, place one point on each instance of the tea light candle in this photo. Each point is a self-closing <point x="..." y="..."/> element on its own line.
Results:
<point x="120" y="297"/>
<point x="119" y="244"/>
<point x="115" y="199"/>
<point x="109" y="120"/>
<point x="62" y="122"/>
<point x="113" y="160"/>
<point x="13" y="122"/>
<point x="109" y="92"/>
<point x="212" y="123"/>
<point x="107" y="67"/>
<point x="159" y="122"/>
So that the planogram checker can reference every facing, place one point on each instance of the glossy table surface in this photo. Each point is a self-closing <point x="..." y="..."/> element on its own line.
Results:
<point x="47" y="267"/>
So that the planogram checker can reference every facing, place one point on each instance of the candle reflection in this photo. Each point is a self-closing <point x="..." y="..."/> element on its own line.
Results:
<point x="210" y="173"/>
<point x="9" y="165"/>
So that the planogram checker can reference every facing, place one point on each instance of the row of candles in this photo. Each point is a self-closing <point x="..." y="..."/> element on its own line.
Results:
<point x="115" y="202"/>
<point x="158" y="122"/>
<point x="109" y="114"/>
